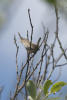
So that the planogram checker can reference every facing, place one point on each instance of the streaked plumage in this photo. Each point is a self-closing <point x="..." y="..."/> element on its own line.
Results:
<point x="26" y="43"/>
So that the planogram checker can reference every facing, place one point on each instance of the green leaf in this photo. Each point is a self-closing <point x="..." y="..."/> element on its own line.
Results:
<point x="53" y="2"/>
<point x="47" y="84"/>
<point x="56" y="98"/>
<point x="53" y="98"/>
<point x="39" y="96"/>
<point x="57" y="86"/>
<point x="30" y="98"/>
<point x="31" y="88"/>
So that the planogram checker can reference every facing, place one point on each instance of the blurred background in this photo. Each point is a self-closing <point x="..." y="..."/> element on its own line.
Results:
<point x="14" y="19"/>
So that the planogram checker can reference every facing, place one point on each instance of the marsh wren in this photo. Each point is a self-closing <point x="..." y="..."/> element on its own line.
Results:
<point x="33" y="48"/>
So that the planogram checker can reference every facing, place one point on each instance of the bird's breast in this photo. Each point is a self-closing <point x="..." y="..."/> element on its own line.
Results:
<point x="25" y="43"/>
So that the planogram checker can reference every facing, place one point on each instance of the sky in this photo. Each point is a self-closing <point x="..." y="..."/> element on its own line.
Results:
<point x="17" y="21"/>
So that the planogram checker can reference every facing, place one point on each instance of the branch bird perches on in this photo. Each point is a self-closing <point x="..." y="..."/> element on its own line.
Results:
<point x="34" y="47"/>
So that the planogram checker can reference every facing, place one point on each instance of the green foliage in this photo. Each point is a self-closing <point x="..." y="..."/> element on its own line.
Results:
<point x="65" y="97"/>
<point x="47" y="84"/>
<point x="56" y="98"/>
<point x="2" y="18"/>
<point x="57" y="86"/>
<point x="30" y="98"/>
<point x="39" y="96"/>
<point x="53" y="2"/>
<point x="31" y="88"/>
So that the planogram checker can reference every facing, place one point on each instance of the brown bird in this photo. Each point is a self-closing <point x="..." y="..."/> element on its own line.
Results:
<point x="31" y="49"/>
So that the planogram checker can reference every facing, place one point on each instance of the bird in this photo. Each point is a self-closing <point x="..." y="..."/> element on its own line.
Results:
<point x="30" y="47"/>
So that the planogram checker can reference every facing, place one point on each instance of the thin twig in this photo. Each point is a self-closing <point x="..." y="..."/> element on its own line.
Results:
<point x="17" y="47"/>
<point x="31" y="27"/>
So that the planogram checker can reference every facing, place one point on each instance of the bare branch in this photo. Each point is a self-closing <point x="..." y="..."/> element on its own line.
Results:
<point x="17" y="47"/>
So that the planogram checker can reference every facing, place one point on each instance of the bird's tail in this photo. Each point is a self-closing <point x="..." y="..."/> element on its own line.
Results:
<point x="20" y="36"/>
